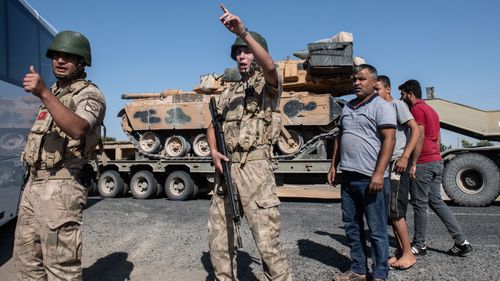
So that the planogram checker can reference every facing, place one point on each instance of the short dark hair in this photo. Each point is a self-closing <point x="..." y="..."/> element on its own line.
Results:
<point x="412" y="86"/>
<point x="371" y="69"/>
<point x="385" y="80"/>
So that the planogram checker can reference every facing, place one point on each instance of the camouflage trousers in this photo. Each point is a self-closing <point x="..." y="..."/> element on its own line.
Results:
<point x="259" y="204"/>
<point x="48" y="241"/>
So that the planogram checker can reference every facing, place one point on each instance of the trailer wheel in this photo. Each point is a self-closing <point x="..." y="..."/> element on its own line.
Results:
<point x="126" y="189"/>
<point x="143" y="185"/>
<point x="471" y="180"/>
<point x="179" y="186"/>
<point x="110" y="184"/>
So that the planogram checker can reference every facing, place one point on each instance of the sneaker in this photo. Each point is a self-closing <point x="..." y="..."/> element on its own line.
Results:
<point x="418" y="251"/>
<point x="460" y="249"/>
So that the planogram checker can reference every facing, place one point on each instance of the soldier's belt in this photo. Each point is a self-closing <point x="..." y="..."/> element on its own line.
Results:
<point x="59" y="174"/>
<point x="256" y="154"/>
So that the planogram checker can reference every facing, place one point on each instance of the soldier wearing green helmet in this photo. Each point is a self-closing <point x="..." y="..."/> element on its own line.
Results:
<point x="48" y="240"/>
<point x="251" y="127"/>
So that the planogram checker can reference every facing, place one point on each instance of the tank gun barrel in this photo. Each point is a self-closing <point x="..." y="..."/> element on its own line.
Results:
<point x="161" y="95"/>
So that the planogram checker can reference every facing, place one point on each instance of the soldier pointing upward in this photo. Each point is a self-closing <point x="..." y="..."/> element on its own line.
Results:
<point x="251" y="127"/>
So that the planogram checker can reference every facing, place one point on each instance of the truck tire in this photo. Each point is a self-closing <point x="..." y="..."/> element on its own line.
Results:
<point x="179" y="186"/>
<point x="471" y="179"/>
<point x="126" y="189"/>
<point x="143" y="185"/>
<point x="110" y="184"/>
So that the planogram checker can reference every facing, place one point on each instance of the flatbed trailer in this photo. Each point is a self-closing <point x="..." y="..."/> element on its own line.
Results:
<point x="125" y="170"/>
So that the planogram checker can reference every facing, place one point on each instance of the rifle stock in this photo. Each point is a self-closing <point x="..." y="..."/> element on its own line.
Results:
<point x="230" y="189"/>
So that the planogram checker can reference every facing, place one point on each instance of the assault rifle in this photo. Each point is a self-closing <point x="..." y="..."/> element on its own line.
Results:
<point x="230" y="189"/>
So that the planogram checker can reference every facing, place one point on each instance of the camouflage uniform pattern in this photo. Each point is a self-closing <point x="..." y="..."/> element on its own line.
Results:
<point x="253" y="177"/>
<point x="48" y="242"/>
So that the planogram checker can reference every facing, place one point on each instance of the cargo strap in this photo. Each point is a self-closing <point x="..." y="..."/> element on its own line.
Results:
<point x="60" y="174"/>
<point x="256" y="154"/>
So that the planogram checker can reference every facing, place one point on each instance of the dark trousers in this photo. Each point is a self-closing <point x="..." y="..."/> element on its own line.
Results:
<point x="357" y="203"/>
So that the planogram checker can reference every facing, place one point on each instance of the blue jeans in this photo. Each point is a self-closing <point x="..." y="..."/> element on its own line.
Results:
<point x="425" y="191"/>
<point x="357" y="202"/>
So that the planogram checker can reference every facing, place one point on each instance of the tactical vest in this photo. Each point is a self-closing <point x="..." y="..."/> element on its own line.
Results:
<point x="249" y="121"/>
<point x="48" y="147"/>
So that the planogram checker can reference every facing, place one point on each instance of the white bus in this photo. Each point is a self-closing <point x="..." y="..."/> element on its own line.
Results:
<point x="24" y="38"/>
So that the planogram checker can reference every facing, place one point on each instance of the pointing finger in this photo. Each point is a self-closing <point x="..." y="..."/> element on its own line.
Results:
<point x="223" y="8"/>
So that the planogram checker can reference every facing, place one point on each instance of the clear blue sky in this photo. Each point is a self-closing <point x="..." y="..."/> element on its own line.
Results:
<point x="149" y="46"/>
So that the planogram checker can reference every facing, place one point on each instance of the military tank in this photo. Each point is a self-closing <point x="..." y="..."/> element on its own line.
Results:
<point x="172" y="123"/>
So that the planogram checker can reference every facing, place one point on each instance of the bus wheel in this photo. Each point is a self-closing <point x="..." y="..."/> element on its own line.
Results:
<point x="143" y="185"/>
<point x="110" y="184"/>
<point x="179" y="186"/>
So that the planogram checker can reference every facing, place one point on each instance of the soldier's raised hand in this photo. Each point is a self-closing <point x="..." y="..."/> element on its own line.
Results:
<point x="34" y="83"/>
<point x="231" y="22"/>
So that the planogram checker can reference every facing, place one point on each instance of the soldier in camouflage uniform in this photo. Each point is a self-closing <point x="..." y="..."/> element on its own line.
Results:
<point x="48" y="241"/>
<point x="251" y="126"/>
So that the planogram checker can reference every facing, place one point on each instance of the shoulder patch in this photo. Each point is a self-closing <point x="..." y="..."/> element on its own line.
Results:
<point x="93" y="107"/>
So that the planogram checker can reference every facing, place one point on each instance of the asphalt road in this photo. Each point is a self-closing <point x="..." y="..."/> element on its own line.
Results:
<point x="129" y="239"/>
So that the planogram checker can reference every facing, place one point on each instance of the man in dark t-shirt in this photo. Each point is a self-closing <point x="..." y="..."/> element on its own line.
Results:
<point x="426" y="174"/>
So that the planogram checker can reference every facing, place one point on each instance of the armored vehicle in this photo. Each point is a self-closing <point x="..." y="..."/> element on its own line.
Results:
<point x="172" y="123"/>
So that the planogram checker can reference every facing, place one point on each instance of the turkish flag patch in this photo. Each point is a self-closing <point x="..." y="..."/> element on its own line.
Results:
<point x="42" y="115"/>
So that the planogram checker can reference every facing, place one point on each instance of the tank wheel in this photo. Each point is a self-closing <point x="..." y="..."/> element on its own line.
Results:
<point x="149" y="142"/>
<point x="143" y="185"/>
<point x="200" y="146"/>
<point x="12" y="141"/>
<point x="179" y="186"/>
<point x="471" y="179"/>
<point x="176" y="146"/>
<point x="110" y="184"/>
<point x="293" y="145"/>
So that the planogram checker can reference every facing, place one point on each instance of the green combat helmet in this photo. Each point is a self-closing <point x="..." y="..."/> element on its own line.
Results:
<point x="239" y="42"/>
<point x="71" y="42"/>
